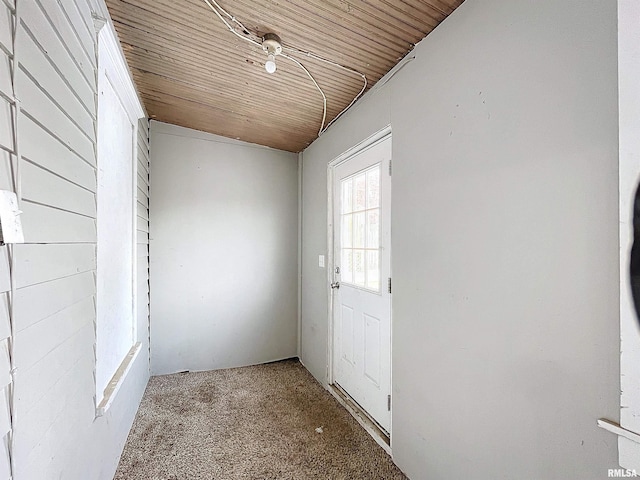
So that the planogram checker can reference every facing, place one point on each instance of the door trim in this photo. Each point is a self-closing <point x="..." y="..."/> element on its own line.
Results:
<point x="360" y="415"/>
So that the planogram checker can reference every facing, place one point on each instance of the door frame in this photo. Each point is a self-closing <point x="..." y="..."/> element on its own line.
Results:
<point x="359" y="414"/>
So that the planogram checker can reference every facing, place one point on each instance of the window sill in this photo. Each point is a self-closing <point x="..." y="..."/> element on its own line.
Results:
<point x="117" y="380"/>
<point x="618" y="430"/>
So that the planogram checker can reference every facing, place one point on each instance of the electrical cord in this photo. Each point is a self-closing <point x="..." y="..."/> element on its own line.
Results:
<point x="245" y="30"/>
<point x="351" y="70"/>
<point x="231" y="29"/>
<point x="324" y="97"/>
<point x="323" y="128"/>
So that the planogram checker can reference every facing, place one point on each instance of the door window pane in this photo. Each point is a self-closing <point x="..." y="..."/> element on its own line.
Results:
<point x="358" y="268"/>
<point x="373" y="228"/>
<point x="347" y="196"/>
<point x="360" y="186"/>
<point x="360" y="229"/>
<point x="373" y="188"/>
<point x="346" y="271"/>
<point x="347" y="231"/>
<point x="373" y="269"/>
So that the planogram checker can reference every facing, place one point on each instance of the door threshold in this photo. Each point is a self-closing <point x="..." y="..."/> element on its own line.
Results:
<point x="381" y="437"/>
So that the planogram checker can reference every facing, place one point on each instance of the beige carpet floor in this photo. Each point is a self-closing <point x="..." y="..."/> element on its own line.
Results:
<point x="248" y="423"/>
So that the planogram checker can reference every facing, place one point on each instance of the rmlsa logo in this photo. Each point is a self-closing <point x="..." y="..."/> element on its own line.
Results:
<point x="621" y="473"/>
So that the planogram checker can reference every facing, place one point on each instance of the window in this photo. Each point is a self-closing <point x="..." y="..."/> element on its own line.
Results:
<point x="360" y="218"/>
<point x="118" y="114"/>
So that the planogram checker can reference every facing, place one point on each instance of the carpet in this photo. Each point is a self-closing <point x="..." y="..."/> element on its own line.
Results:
<point x="248" y="423"/>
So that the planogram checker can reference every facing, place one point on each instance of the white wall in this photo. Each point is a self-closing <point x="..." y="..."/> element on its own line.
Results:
<point x="56" y="432"/>
<point x="223" y="252"/>
<point x="505" y="242"/>
<point x="629" y="121"/>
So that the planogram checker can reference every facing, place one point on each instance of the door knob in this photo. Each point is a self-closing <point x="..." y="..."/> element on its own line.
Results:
<point x="335" y="285"/>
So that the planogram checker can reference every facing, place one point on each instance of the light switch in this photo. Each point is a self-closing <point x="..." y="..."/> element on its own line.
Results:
<point x="321" y="261"/>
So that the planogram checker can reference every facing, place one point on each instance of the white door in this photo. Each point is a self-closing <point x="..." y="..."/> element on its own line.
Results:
<point x="362" y="271"/>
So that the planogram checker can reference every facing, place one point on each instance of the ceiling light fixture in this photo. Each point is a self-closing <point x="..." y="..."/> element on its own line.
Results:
<point x="271" y="44"/>
<point x="270" y="64"/>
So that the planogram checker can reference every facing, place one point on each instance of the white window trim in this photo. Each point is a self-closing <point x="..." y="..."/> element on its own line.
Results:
<point x="121" y="80"/>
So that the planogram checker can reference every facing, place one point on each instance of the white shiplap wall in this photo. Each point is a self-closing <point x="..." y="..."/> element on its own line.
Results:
<point x="6" y="183"/>
<point x="56" y="432"/>
<point x="142" y="208"/>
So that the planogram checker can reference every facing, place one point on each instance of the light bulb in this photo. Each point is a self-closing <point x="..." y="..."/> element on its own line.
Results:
<point x="270" y="65"/>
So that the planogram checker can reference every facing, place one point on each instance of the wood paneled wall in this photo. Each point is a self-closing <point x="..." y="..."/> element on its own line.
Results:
<point x="6" y="183"/>
<point x="143" y="233"/>
<point x="56" y="432"/>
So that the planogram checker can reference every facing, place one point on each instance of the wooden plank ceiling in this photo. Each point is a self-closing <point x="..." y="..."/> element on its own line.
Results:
<point x="192" y="71"/>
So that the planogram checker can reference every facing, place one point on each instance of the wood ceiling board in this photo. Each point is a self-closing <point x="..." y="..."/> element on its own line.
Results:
<point x="172" y="64"/>
<point x="340" y="92"/>
<point x="417" y="12"/>
<point x="237" y="130"/>
<point x="318" y="16"/>
<point x="191" y="71"/>
<point x="310" y="111"/>
<point x="270" y="96"/>
<point x="273" y="93"/>
<point x="356" y="81"/>
<point x="232" y="119"/>
<point x="362" y="49"/>
<point x="201" y="40"/>
<point x="282" y="120"/>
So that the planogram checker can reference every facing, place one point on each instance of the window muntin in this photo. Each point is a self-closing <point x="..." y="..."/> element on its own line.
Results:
<point x="360" y="229"/>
